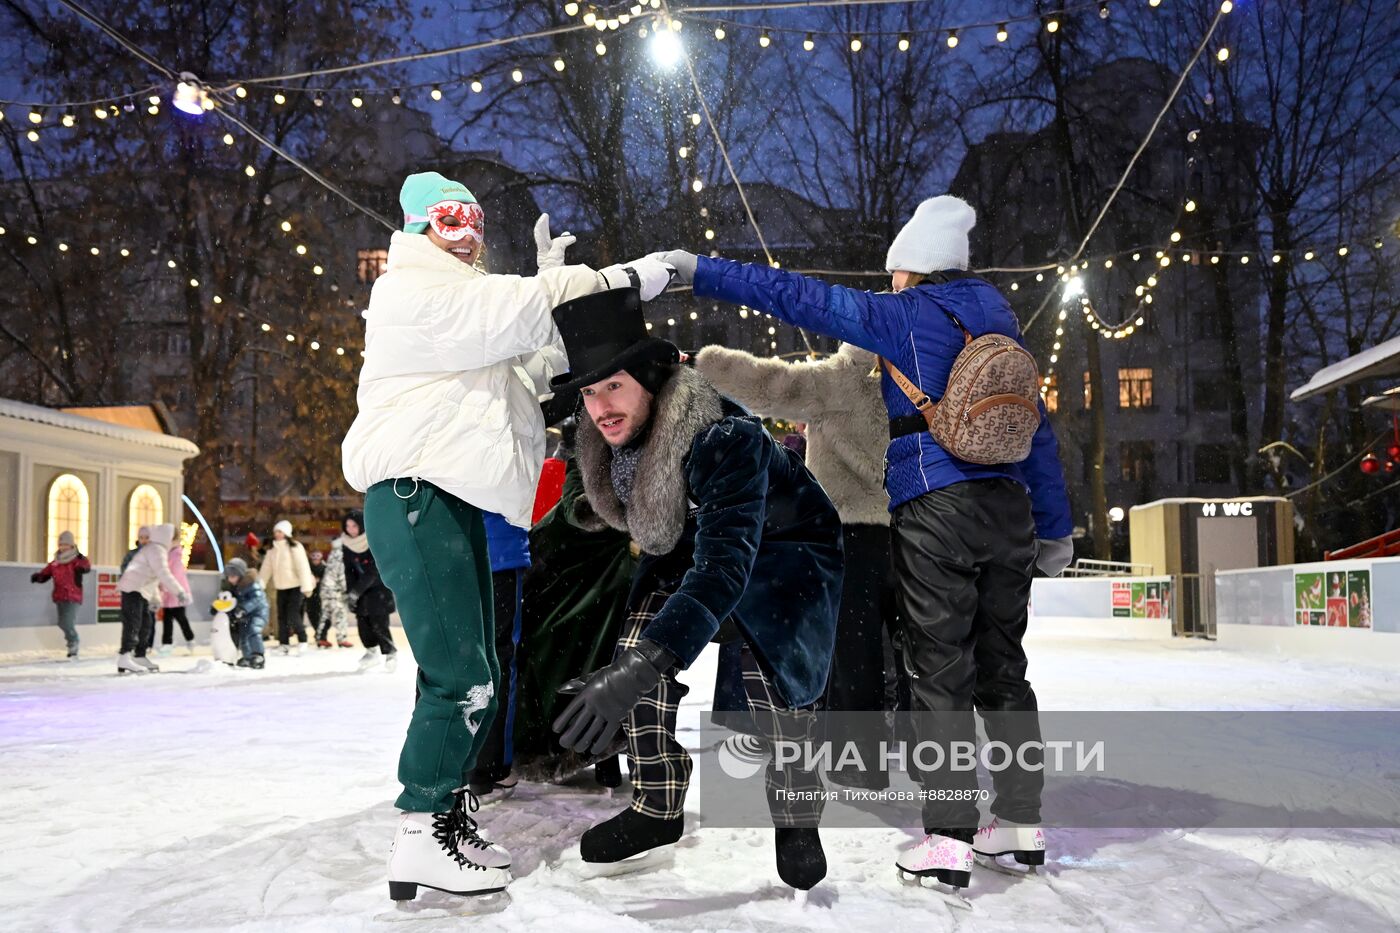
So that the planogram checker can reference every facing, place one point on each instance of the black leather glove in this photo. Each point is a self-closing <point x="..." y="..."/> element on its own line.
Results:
<point x="605" y="697"/>
<point x="36" y="578"/>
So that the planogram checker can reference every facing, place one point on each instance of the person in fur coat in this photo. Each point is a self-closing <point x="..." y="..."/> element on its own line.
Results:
<point x="739" y="544"/>
<point x="839" y="398"/>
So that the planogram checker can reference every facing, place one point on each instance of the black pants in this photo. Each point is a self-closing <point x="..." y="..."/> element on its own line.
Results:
<point x="138" y="624"/>
<point x="175" y="614"/>
<point x="963" y="558"/>
<point x="860" y="675"/>
<point x="494" y="759"/>
<point x="313" y="614"/>
<point x="289" y="619"/>
<point x="374" y="632"/>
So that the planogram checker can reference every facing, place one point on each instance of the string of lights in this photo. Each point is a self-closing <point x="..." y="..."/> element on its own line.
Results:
<point x="602" y="19"/>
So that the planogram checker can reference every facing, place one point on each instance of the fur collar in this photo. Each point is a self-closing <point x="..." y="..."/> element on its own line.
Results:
<point x="686" y="405"/>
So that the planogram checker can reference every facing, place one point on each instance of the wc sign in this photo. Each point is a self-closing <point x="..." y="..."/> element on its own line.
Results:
<point x="1228" y="509"/>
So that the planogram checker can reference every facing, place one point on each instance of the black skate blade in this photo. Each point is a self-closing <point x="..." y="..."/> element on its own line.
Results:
<point x="948" y="893"/>
<point x="991" y="862"/>
<point x="650" y="860"/>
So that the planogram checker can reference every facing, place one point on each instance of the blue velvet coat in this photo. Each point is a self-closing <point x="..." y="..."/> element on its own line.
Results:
<point x="733" y="526"/>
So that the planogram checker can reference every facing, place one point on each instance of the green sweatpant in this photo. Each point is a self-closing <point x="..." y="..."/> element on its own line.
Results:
<point x="430" y="548"/>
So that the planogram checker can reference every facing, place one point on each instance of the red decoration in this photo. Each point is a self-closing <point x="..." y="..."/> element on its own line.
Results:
<point x="1370" y="464"/>
<point x="1393" y="451"/>
<point x="252" y="540"/>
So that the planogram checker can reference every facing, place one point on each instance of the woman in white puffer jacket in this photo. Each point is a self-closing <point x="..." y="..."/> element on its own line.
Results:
<point x="140" y="586"/>
<point x="449" y="427"/>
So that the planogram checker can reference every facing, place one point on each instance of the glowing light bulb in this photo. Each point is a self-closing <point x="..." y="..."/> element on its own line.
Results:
<point x="856" y="44"/>
<point x="763" y="40"/>
<point x="571" y="8"/>
<point x="904" y="42"/>
<point x="559" y="64"/>
<point x="1002" y="34"/>
<point x="286" y="226"/>
<point x="666" y="48"/>
<point x="600" y="48"/>
<point x="1223" y="55"/>
<point x="719" y="32"/>
<point x="476" y="86"/>
<point x="249" y="171"/>
<point x="228" y="139"/>
<point x="808" y="43"/>
<point x="1052" y="25"/>
<point x="435" y="93"/>
<point x="357" y="101"/>
<point x="517" y="75"/>
<point x="952" y="38"/>
<point x="697" y="186"/>
<point x="279" y="97"/>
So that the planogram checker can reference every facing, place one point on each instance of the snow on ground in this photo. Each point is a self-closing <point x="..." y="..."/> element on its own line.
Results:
<point x="263" y="801"/>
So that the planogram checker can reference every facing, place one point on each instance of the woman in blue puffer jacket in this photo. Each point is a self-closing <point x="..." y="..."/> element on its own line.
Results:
<point x="967" y="537"/>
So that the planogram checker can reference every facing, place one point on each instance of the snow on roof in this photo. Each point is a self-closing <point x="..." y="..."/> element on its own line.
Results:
<point x="1381" y="360"/>
<point x="22" y="411"/>
<point x="1389" y="400"/>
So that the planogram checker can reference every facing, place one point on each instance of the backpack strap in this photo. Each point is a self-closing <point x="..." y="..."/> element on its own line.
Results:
<point x="913" y="424"/>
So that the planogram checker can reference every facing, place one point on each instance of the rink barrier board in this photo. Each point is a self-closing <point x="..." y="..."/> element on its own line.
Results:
<point x="1085" y="607"/>
<point x="1279" y="597"/>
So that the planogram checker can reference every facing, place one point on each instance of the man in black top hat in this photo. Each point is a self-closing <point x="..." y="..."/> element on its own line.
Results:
<point x="739" y="544"/>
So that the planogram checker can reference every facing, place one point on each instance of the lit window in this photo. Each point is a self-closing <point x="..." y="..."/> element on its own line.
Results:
<point x="372" y="264"/>
<point x="1135" y="388"/>
<point x="1052" y="394"/>
<point x="144" y="508"/>
<point x="68" y="511"/>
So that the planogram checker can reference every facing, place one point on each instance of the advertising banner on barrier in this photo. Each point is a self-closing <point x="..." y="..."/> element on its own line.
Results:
<point x="109" y="598"/>
<point x="1141" y="599"/>
<point x="1334" y="598"/>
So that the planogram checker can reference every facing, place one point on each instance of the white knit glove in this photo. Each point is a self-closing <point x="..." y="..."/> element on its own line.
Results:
<point x="549" y="251"/>
<point x="647" y="275"/>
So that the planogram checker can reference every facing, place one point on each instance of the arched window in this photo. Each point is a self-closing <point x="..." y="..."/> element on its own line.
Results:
<point x="68" y="511"/>
<point x="144" y="508"/>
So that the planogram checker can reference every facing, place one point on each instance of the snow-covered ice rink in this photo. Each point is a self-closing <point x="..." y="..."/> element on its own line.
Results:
<point x="263" y="801"/>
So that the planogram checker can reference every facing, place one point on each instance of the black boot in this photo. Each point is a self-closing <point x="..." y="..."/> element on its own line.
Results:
<point x="801" y="861"/>
<point x="628" y="834"/>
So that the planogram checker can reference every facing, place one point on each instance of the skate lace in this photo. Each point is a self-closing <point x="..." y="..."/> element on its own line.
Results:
<point x="455" y="829"/>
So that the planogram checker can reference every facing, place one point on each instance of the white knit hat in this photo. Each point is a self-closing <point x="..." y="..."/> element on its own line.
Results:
<point x="283" y="526"/>
<point x="935" y="238"/>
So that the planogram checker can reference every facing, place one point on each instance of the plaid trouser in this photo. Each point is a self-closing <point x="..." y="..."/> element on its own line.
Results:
<point x="660" y="766"/>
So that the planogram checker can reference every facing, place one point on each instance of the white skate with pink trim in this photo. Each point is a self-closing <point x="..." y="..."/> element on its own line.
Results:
<point x="940" y="863"/>
<point x="1025" y="843"/>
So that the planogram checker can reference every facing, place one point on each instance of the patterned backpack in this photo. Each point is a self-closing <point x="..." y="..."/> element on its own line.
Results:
<point x="989" y="411"/>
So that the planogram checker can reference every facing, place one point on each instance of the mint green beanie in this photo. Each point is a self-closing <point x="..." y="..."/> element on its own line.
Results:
<point x="424" y="189"/>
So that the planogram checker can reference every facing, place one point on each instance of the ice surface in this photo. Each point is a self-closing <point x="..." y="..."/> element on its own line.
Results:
<point x="263" y="801"/>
